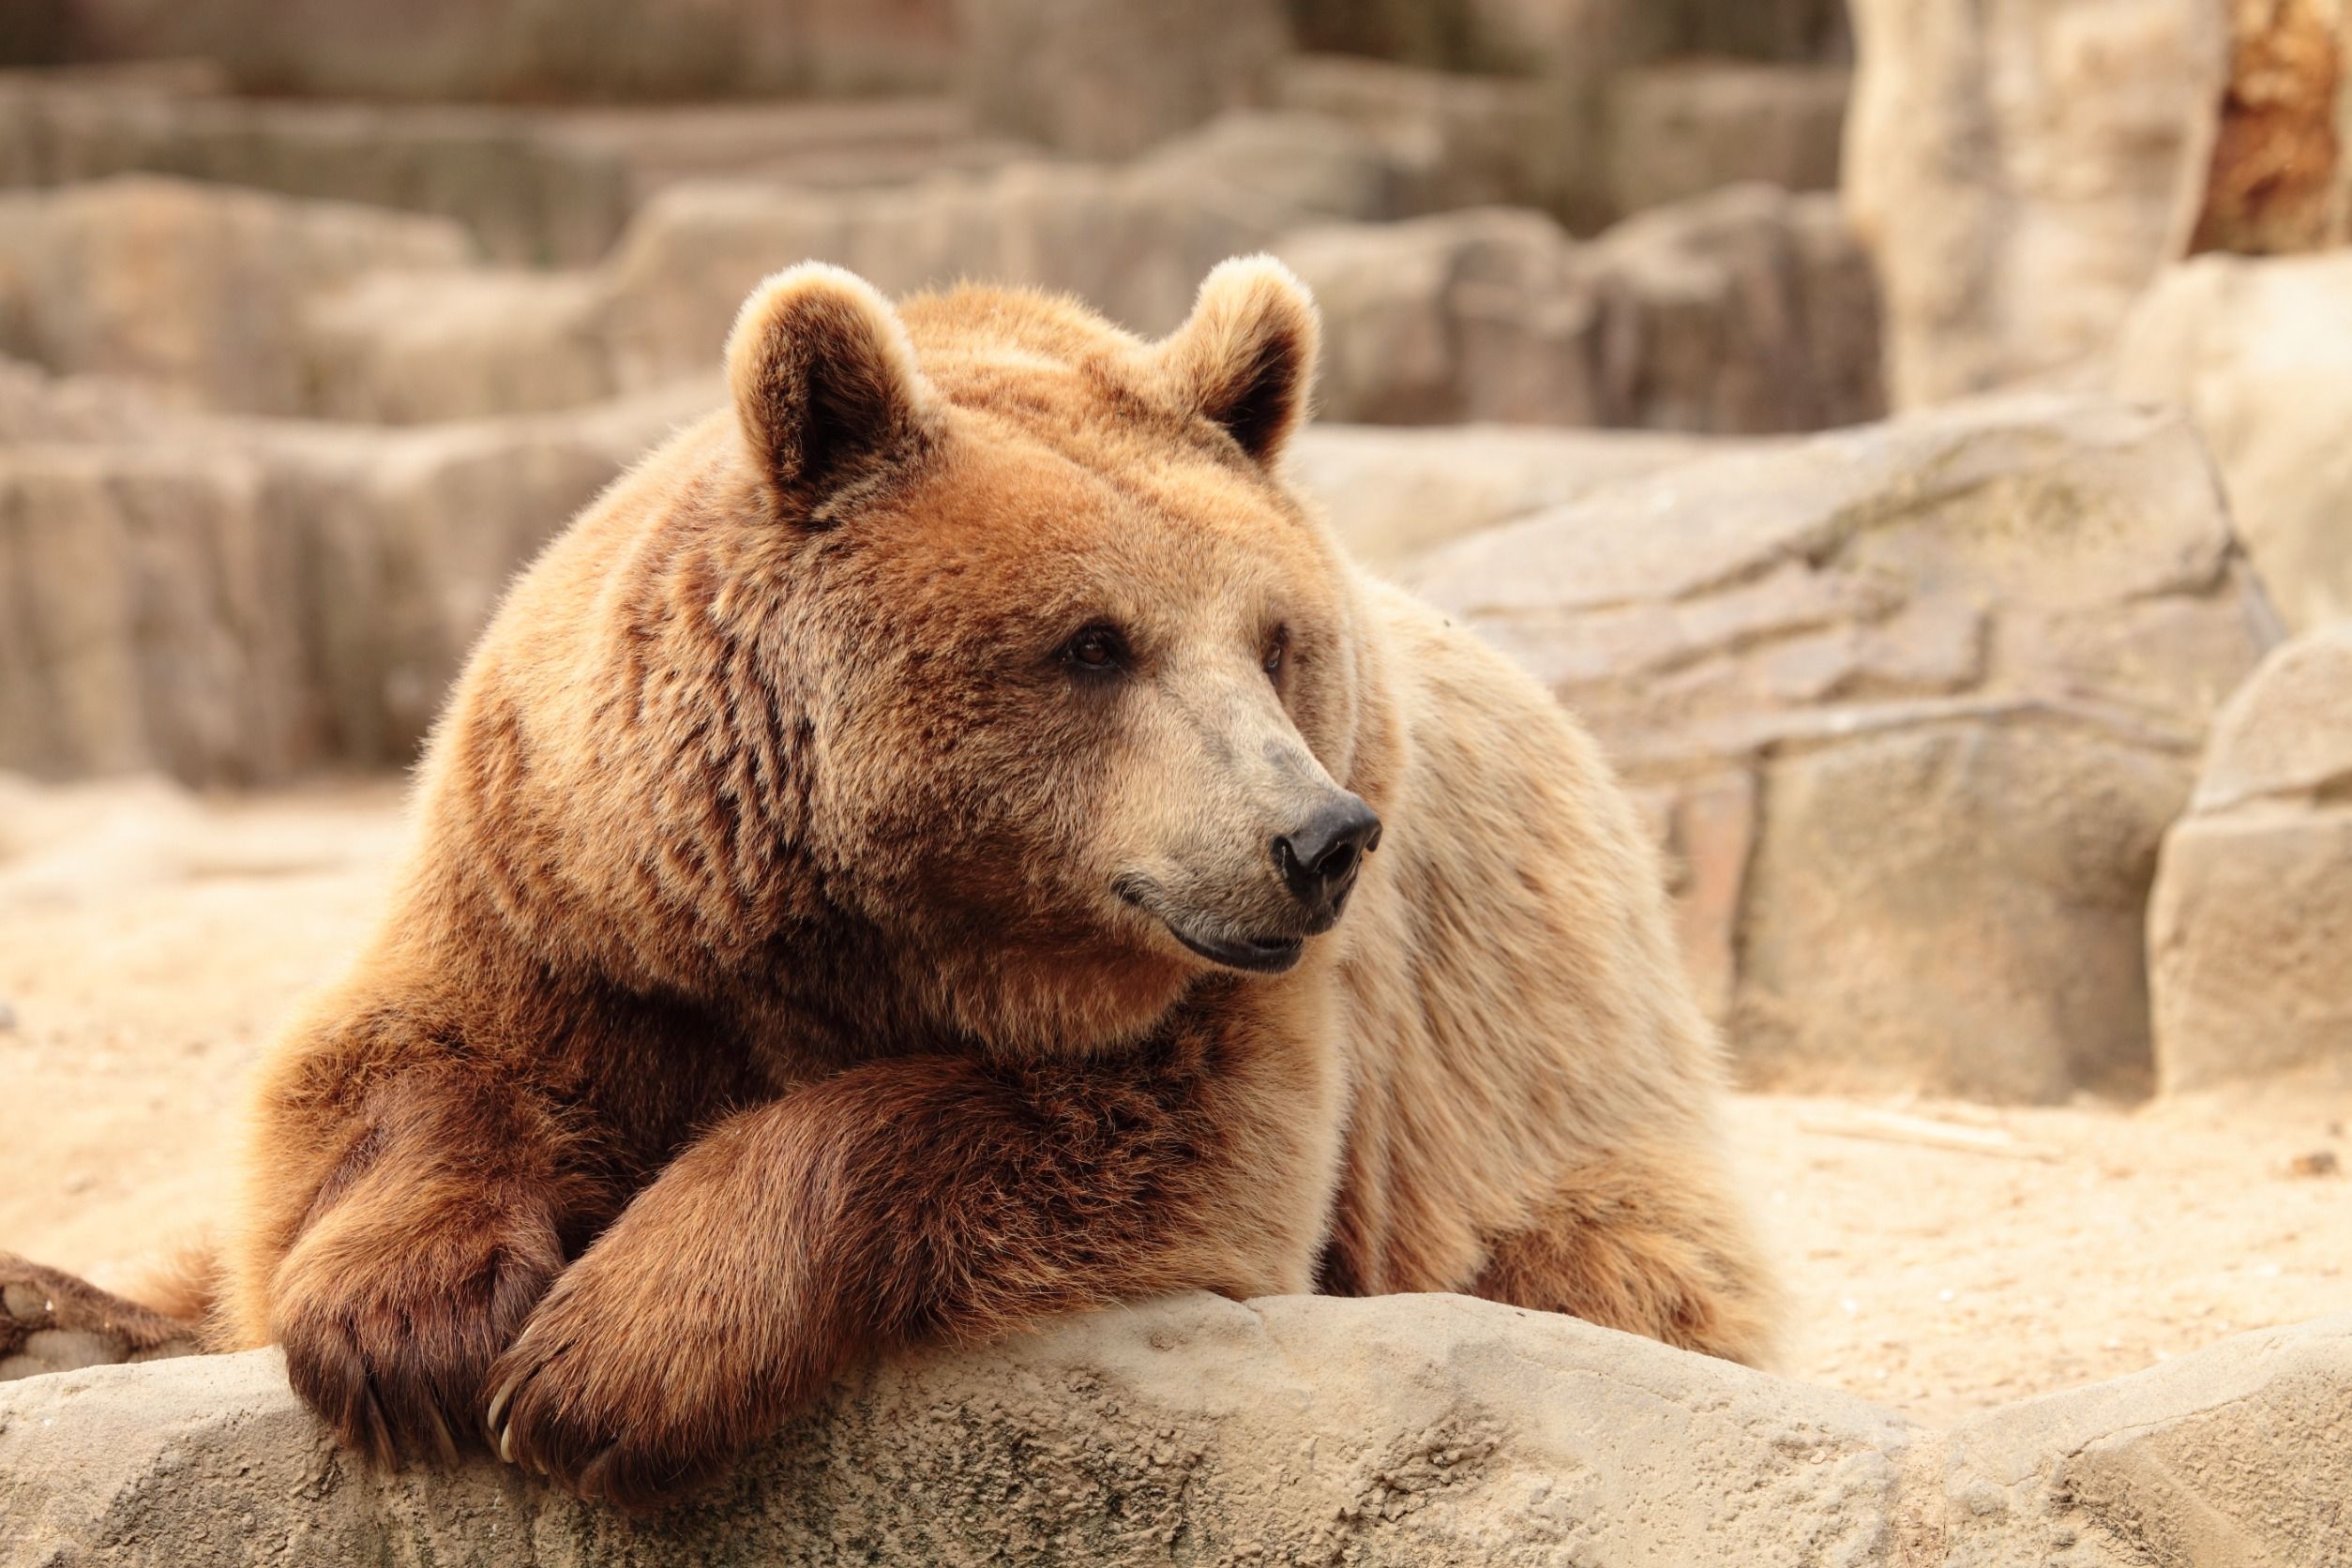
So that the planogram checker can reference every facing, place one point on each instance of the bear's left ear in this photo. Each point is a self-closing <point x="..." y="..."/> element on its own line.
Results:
<point x="824" y="381"/>
<point x="1245" y="358"/>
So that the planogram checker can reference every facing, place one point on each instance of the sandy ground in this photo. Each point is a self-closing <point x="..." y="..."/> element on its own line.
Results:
<point x="1941" y="1257"/>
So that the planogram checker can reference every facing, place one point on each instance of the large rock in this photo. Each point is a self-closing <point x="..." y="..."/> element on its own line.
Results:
<point x="2260" y="353"/>
<point x="197" y="291"/>
<point x="1196" y="1431"/>
<point x="2021" y="171"/>
<point x="1913" y="705"/>
<point x="1111" y="80"/>
<point x="2235" y="1455"/>
<point x="1394" y="494"/>
<point x="241" y="601"/>
<point x="2250" y="932"/>
<point x="536" y="186"/>
<point x="528" y="50"/>
<point x="1744" y="312"/>
<point x="1688" y="126"/>
<point x="1471" y="141"/>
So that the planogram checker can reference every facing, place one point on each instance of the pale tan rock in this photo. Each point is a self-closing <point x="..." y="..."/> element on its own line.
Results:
<point x="2020" y="172"/>
<point x="1746" y="310"/>
<point x="196" y="290"/>
<point x="233" y="602"/>
<point x="1395" y="494"/>
<point x="2236" y="1455"/>
<point x="1683" y="128"/>
<point x="1407" y="1430"/>
<point x="2249" y="929"/>
<point x="1964" y="663"/>
<point x="533" y="50"/>
<point x="1469" y="140"/>
<point x="1109" y="81"/>
<point x="2254" y="350"/>
<point x="404" y="348"/>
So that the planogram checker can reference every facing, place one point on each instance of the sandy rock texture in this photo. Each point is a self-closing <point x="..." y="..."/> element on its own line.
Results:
<point x="1745" y="311"/>
<point x="1913" y="705"/>
<point x="532" y="49"/>
<point x="2255" y="349"/>
<point x="2250" y="931"/>
<point x="194" y="289"/>
<point x="240" y="600"/>
<point x="1109" y="81"/>
<point x="1405" y="1430"/>
<point x="2021" y="170"/>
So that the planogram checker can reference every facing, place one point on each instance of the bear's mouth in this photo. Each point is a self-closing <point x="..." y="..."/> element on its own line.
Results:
<point x="1251" y="955"/>
<point x="1257" y="954"/>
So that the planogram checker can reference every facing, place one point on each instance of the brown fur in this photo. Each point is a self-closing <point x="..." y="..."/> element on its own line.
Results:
<point x="786" y="968"/>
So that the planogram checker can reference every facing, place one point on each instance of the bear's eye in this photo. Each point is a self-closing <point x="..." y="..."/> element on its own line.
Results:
<point x="1277" y="648"/>
<point x="1097" y="648"/>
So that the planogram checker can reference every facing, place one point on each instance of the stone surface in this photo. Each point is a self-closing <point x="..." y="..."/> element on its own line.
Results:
<point x="1394" y="494"/>
<point x="2249" y="929"/>
<point x="530" y="50"/>
<point x="1913" y="704"/>
<point x="1688" y="126"/>
<point x="1471" y="141"/>
<point x="2255" y="350"/>
<point x="238" y="601"/>
<point x="1111" y="80"/>
<point x="2236" y="1455"/>
<point x="1404" y="1429"/>
<point x="194" y="289"/>
<point x="2021" y="170"/>
<point x="1743" y="311"/>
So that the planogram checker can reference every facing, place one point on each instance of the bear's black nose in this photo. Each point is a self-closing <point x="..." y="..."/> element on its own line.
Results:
<point x="1318" y="860"/>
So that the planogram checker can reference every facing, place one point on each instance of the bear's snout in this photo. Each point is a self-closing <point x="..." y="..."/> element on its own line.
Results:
<point x="1320" y="858"/>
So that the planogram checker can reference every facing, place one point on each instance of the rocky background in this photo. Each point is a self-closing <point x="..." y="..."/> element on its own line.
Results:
<point x="1911" y="435"/>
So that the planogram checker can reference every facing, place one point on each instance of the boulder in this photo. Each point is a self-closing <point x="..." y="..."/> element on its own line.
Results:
<point x="2235" y="1455"/>
<point x="1476" y="315"/>
<point x="1110" y="82"/>
<point x="240" y="601"/>
<point x="1748" y="311"/>
<point x="2021" y="173"/>
<point x="1394" y="494"/>
<point x="1683" y="128"/>
<point x="1405" y="1430"/>
<point x="1469" y="140"/>
<point x="1134" y="240"/>
<point x="534" y="50"/>
<point x="403" y="348"/>
<point x="194" y="289"/>
<point x="1192" y="1430"/>
<point x="2256" y="350"/>
<point x="1912" y="705"/>
<point x="2250" y="930"/>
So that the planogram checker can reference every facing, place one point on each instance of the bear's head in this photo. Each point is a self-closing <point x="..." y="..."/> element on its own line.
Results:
<point x="983" y="676"/>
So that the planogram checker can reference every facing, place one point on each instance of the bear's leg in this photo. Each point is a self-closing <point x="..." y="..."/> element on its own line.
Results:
<point x="430" y="1224"/>
<point x="1647" y="1245"/>
<point x="916" y="1198"/>
<point x="50" y="1321"/>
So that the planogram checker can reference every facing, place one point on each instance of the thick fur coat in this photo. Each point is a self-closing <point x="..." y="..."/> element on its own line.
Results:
<point x="867" y="889"/>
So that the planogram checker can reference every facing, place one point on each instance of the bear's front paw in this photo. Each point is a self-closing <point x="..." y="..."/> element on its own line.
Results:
<point x="50" y="1321"/>
<point x="393" y="1356"/>
<point x="631" y="1386"/>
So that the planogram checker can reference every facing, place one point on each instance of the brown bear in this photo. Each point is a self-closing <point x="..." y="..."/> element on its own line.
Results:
<point x="950" y="839"/>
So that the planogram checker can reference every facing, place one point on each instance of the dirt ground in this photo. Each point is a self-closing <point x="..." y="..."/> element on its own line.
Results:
<point x="1941" y="1257"/>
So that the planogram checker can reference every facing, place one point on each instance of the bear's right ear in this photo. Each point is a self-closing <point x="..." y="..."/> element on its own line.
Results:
<point x="824" y="381"/>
